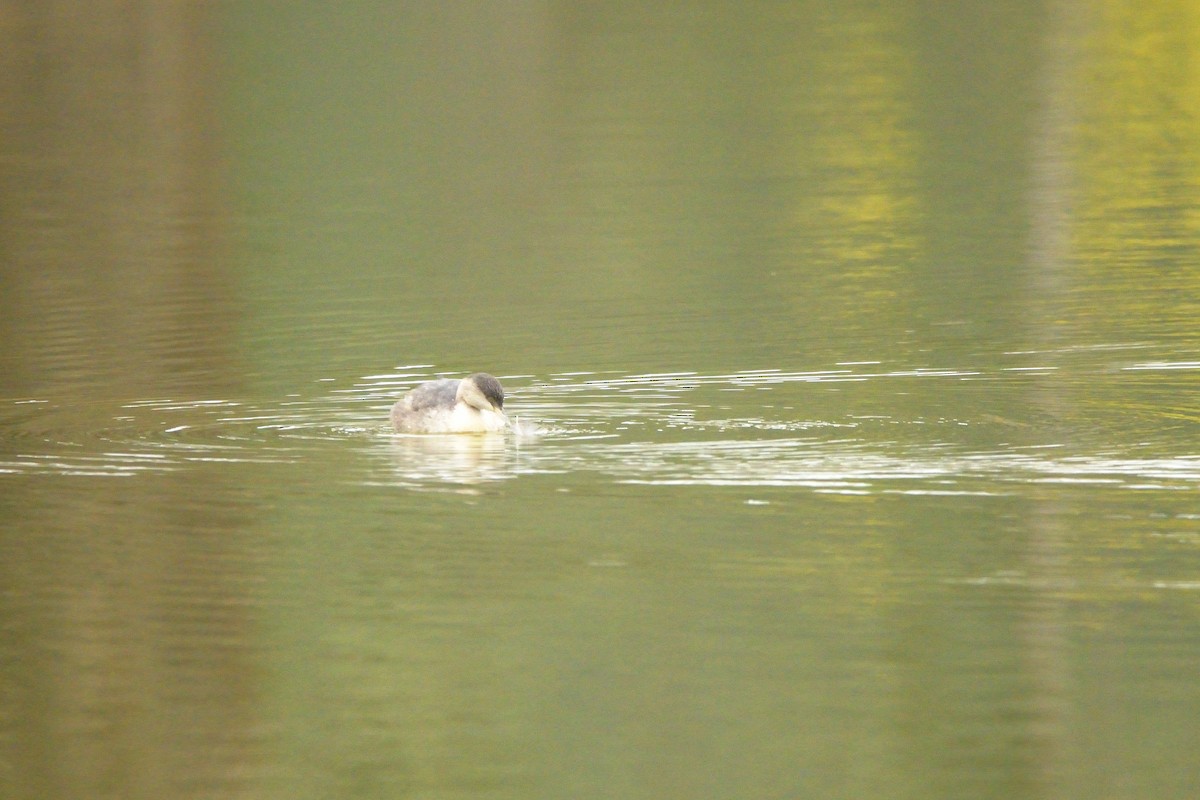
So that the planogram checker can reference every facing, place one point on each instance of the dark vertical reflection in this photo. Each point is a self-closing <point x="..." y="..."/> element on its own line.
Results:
<point x="108" y="239"/>
<point x="124" y="664"/>
<point x="1044" y="629"/>
<point x="977" y="87"/>
<point x="960" y="680"/>
<point x="124" y="668"/>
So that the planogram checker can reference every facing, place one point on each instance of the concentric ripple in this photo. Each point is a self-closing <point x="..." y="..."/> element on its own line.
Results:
<point x="751" y="428"/>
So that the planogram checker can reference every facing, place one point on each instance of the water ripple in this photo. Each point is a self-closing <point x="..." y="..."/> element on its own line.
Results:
<point x="674" y="428"/>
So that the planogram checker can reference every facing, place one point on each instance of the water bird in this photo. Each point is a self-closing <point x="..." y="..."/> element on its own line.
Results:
<point x="474" y="404"/>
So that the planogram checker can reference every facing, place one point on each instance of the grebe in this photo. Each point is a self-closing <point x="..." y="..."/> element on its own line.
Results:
<point x="473" y="405"/>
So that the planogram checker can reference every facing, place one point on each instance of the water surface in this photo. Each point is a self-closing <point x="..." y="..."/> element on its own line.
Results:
<point x="853" y="350"/>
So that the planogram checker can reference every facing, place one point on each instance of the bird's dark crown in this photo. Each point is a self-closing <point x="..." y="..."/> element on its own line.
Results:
<point x="489" y="387"/>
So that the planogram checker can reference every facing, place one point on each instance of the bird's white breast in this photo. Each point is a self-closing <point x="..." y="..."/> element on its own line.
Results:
<point x="464" y="419"/>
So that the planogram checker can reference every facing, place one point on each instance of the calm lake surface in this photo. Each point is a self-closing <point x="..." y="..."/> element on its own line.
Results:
<point x="855" y="352"/>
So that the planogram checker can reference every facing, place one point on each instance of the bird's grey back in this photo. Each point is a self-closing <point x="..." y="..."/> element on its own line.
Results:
<point x="434" y="394"/>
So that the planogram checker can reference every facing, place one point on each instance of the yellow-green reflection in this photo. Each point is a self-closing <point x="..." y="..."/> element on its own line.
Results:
<point x="1136" y="227"/>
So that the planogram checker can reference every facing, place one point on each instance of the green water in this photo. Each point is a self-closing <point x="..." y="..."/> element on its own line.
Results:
<point x="860" y="344"/>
